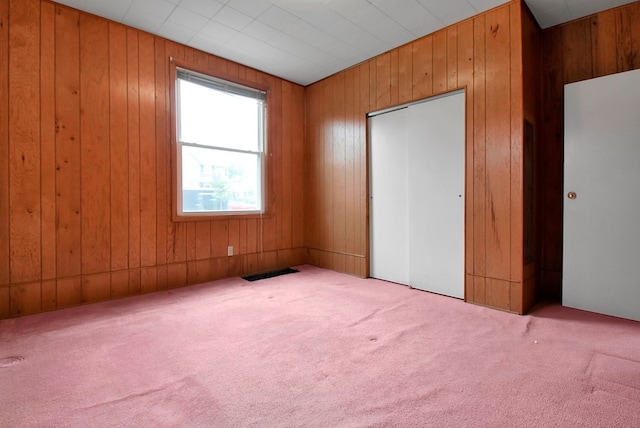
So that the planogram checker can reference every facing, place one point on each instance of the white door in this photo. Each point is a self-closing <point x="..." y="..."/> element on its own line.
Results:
<point x="436" y="195"/>
<point x="417" y="157"/>
<point x="601" y="248"/>
<point x="388" y="157"/>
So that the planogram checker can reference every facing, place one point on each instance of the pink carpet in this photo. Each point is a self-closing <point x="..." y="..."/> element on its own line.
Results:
<point x="316" y="349"/>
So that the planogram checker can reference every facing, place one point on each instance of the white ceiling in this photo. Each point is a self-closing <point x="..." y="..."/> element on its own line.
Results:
<point x="306" y="40"/>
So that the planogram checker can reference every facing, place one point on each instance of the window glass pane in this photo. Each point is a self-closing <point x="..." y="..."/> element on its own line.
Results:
<point x="219" y="180"/>
<point x="214" y="118"/>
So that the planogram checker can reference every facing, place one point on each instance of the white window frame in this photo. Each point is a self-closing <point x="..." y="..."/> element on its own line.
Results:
<point x="207" y="80"/>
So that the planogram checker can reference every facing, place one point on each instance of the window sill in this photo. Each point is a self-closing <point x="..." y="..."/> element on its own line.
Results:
<point x="218" y="217"/>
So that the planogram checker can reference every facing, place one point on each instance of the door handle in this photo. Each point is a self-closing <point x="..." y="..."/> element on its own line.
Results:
<point x="572" y="195"/>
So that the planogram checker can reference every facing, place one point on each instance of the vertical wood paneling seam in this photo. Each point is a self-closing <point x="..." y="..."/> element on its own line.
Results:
<point x="50" y="84"/>
<point x="510" y="98"/>
<point x="5" y="136"/>
<point x="128" y="151"/>
<point x="155" y="157"/>
<point x="484" y="167"/>
<point x="129" y="179"/>
<point x="139" y="156"/>
<point x="108" y="72"/>
<point x="469" y="168"/>
<point x="79" y="133"/>
<point x="40" y="144"/>
<point x="8" y="151"/>
<point x="168" y="85"/>
<point x="40" y="136"/>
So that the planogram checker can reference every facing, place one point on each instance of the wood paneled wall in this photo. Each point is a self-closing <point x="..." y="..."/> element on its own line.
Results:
<point x="594" y="46"/>
<point x="85" y="181"/>
<point x="84" y="154"/>
<point x="482" y="54"/>
<point x="532" y="104"/>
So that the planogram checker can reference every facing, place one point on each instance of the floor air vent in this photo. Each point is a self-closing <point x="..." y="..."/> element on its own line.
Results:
<point x="269" y="274"/>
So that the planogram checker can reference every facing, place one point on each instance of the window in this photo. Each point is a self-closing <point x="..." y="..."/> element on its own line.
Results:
<point x="220" y="133"/>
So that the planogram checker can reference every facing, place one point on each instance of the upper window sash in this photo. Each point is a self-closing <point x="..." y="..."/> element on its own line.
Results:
<point x="220" y="85"/>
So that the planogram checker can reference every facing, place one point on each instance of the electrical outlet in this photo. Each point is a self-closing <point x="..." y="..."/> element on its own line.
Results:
<point x="230" y="250"/>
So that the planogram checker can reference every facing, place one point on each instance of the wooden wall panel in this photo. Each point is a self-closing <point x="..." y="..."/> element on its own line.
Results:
<point x="134" y="281"/>
<point x="498" y="294"/>
<point x="624" y="49"/>
<point x="603" y="35"/>
<point x="405" y="73"/>
<point x="25" y="299"/>
<point x="4" y="160"/>
<point x="285" y="188"/>
<point x="48" y="295"/>
<point x="516" y="164"/>
<point x="24" y="142"/>
<point x="119" y="284"/>
<point x="68" y="292"/>
<point x="576" y="48"/>
<point x="394" y="77"/>
<point x="298" y="184"/>
<point x="67" y="91"/>
<point x="465" y="77"/>
<point x="148" y="279"/>
<point x="96" y="287"/>
<point x="478" y="193"/>
<point x="47" y="148"/>
<point x="532" y="110"/>
<point x="594" y="46"/>
<point x="133" y="126"/>
<point x="498" y="143"/>
<point x="326" y="210"/>
<point x="440" y="61"/>
<point x="337" y="154"/>
<point x="5" y="302"/>
<point x="94" y="145"/>
<point x="163" y="170"/>
<point x="634" y="18"/>
<point x="350" y="158"/>
<point x="85" y="166"/>
<point x="270" y="223"/>
<point x="484" y="56"/>
<point x="422" y="64"/>
<point x="191" y="243"/>
<point x="311" y="164"/>
<point x="147" y="108"/>
<point x="551" y="175"/>
<point x="383" y="82"/>
<point x="479" y="292"/>
<point x="203" y="239"/>
<point x="452" y="58"/>
<point x="119" y="153"/>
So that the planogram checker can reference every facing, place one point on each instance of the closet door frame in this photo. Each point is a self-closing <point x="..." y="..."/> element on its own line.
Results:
<point x="459" y="293"/>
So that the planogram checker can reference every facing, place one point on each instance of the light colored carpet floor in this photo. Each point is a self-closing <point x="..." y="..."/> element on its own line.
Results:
<point x="316" y="349"/>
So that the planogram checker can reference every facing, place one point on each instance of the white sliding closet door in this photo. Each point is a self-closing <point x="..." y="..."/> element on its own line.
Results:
<point x="436" y="189"/>
<point x="417" y="159"/>
<point x="601" y="167"/>
<point x="389" y="207"/>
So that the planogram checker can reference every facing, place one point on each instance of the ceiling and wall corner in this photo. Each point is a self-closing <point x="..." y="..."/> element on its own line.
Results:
<point x="304" y="41"/>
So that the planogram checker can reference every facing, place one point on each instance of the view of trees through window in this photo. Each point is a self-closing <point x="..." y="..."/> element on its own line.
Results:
<point x="220" y="133"/>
